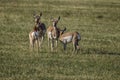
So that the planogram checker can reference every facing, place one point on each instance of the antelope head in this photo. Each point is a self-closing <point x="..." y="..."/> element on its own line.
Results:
<point x="62" y="31"/>
<point x="37" y="17"/>
<point x="55" y="21"/>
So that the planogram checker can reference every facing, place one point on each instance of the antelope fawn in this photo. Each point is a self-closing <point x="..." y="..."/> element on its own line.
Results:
<point x="53" y="33"/>
<point x="68" y="37"/>
<point x="38" y="32"/>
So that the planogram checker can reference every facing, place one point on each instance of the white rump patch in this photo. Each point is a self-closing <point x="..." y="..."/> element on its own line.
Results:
<point x="35" y="34"/>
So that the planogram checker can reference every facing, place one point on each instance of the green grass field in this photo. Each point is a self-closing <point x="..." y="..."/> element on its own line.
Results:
<point x="98" y="22"/>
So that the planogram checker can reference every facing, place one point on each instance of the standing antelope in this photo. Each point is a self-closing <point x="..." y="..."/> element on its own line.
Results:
<point x="53" y="33"/>
<point x="41" y="26"/>
<point x="68" y="37"/>
<point x="38" y="32"/>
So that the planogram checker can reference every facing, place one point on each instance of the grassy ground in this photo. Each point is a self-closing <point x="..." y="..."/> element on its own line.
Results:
<point x="98" y="21"/>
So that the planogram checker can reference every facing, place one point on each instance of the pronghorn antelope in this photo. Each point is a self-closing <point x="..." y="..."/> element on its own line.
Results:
<point x="53" y="33"/>
<point x="68" y="37"/>
<point x="38" y="32"/>
<point x="41" y="26"/>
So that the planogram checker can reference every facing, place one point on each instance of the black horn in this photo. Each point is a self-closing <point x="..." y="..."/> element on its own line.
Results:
<point x="58" y="18"/>
<point x="64" y="29"/>
<point x="40" y="13"/>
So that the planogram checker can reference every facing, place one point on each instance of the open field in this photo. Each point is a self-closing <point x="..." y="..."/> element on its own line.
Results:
<point x="98" y="22"/>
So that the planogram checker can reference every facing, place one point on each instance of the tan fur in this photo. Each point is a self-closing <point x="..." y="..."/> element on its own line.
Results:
<point x="40" y="29"/>
<point x="66" y="34"/>
<point x="52" y="32"/>
<point x="54" y="36"/>
<point x="50" y="28"/>
<point x="73" y="37"/>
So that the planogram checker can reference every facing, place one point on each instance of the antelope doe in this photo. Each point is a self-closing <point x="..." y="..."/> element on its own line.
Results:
<point x="68" y="37"/>
<point x="38" y="32"/>
<point x="53" y="33"/>
<point x="41" y="26"/>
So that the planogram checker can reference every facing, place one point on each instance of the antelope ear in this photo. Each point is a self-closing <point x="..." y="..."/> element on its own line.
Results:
<point x="51" y="19"/>
<point x="40" y="14"/>
<point x="58" y="18"/>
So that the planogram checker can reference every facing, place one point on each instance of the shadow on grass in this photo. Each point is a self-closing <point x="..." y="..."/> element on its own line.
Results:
<point x="98" y="51"/>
